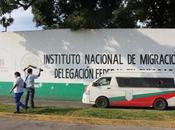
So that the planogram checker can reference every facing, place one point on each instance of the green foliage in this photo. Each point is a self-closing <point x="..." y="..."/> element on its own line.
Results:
<point x="123" y="18"/>
<point x="6" y="6"/>
<point x="159" y="13"/>
<point x="77" y="14"/>
<point x="6" y="22"/>
<point x="107" y="113"/>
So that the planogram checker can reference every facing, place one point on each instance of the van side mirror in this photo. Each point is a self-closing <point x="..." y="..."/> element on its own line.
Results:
<point x="95" y="84"/>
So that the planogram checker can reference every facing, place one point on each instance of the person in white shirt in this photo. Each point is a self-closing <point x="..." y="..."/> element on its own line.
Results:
<point x="18" y="91"/>
<point x="30" y="79"/>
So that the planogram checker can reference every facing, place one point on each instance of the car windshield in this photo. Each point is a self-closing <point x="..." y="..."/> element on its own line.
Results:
<point x="103" y="81"/>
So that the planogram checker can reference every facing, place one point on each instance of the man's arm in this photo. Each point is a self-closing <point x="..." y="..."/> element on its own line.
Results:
<point x="26" y="68"/>
<point x="39" y="73"/>
<point x="13" y="88"/>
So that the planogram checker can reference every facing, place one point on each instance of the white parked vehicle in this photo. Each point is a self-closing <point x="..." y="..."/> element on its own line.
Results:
<point x="137" y="89"/>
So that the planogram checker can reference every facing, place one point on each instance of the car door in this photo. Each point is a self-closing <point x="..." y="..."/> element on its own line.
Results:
<point x="125" y="92"/>
<point x="100" y="88"/>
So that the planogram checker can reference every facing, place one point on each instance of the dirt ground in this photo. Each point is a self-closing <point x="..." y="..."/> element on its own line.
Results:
<point x="16" y="124"/>
<point x="49" y="102"/>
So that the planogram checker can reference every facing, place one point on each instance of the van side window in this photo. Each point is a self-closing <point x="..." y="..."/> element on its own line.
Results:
<point x="103" y="81"/>
<point x="145" y="82"/>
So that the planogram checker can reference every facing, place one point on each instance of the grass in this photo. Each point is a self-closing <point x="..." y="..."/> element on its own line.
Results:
<point x="109" y="113"/>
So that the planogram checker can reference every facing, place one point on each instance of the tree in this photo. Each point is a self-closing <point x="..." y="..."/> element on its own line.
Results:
<point x="6" y="22"/>
<point x="155" y="13"/>
<point x="72" y="13"/>
<point x="6" y="6"/>
<point x="77" y="14"/>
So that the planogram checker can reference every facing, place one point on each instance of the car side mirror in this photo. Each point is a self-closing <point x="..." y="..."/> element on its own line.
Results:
<point x="95" y="84"/>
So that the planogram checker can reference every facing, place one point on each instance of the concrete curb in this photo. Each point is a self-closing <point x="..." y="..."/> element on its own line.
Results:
<point x="87" y="120"/>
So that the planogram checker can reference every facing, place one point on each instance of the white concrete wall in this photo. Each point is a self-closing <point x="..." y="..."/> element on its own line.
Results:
<point x="18" y="49"/>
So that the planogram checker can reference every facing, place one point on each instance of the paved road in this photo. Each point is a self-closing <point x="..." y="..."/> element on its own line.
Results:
<point x="16" y="124"/>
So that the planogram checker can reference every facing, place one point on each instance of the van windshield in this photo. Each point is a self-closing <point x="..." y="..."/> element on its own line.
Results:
<point x="103" y="81"/>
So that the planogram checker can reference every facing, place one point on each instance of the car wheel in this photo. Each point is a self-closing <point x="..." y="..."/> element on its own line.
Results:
<point x="102" y="102"/>
<point x="160" y="104"/>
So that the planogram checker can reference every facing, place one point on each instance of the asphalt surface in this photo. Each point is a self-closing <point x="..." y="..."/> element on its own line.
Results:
<point x="17" y="124"/>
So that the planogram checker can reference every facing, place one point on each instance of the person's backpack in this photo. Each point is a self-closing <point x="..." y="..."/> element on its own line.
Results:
<point x="25" y="85"/>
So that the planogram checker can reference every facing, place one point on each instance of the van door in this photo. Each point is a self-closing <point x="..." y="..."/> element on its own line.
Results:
<point x="125" y="91"/>
<point x="101" y="87"/>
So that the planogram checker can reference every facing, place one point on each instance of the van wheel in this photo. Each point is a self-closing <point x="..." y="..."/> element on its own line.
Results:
<point x="102" y="102"/>
<point x="160" y="104"/>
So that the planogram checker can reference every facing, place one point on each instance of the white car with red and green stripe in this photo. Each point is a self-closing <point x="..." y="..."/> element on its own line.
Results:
<point x="133" y="89"/>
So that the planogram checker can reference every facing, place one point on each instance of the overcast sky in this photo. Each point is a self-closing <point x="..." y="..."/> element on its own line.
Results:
<point x="23" y="21"/>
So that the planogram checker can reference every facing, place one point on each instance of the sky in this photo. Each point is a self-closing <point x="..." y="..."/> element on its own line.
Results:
<point x="23" y="21"/>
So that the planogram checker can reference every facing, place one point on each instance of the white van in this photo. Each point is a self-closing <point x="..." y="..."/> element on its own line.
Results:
<point x="137" y="89"/>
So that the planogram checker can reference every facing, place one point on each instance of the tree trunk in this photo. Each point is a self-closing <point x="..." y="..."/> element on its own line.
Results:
<point x="5" y="29"/>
